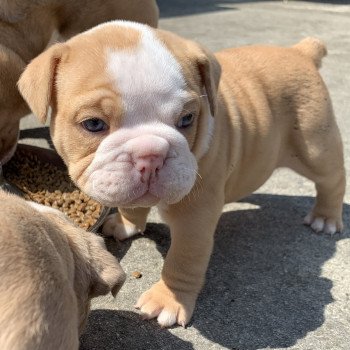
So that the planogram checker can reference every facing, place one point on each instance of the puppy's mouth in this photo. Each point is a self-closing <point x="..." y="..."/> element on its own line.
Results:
<point x="134" y="194"/>
<point x="127" y="188"/>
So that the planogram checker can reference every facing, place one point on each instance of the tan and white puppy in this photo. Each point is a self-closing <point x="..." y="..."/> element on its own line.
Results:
<point x="49" y="270"/>
<point x="141" y="117"/>
<point x="26" y="27"/>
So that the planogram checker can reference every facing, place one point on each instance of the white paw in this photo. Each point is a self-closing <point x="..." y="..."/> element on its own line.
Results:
<point x="120" y="230"/>
<point x="321" y="224"/>
<point x="168" y="306"/>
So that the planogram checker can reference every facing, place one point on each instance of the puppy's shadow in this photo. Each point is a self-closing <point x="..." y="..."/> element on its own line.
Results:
<point x="158" y="233"/>
<point x="124" y="330"/>
<point x="264" y="286"/>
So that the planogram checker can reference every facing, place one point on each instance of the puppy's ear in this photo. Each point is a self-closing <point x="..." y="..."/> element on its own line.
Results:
<point x="106" y="273"/>
<point x="36" y="83"/>
<point x="210" y="72"/>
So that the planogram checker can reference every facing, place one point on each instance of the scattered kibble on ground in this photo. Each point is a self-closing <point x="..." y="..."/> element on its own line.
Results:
<point x="136" y="274"/>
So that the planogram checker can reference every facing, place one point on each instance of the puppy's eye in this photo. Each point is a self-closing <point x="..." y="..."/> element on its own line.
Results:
<point x="185" y="121"/>
<point x="94" y="125"/>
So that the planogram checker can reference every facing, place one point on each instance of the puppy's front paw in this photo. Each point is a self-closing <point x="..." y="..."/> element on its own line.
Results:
<point x="168" y="306"/>
<point x="119" y="228"/>
<point x="323" y="224"/>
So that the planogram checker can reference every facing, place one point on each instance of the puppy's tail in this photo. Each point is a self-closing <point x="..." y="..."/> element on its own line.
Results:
<point x="313" y="48"/>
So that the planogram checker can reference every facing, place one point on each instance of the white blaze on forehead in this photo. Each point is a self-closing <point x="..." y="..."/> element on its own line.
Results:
<point x="148" y="77"/>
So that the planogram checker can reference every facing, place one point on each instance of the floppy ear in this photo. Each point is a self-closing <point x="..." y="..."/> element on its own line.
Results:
<point x="36" y="83"/>
<point x="106" y="273"/>
<point x="210" y="72"/>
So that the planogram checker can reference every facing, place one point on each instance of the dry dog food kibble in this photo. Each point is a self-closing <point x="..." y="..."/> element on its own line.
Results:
<point x="46" y="184"/>
<point x="136" y="274"/>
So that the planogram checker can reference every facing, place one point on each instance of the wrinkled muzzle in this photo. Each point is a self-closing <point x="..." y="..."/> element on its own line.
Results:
<point x="141" y="167"/>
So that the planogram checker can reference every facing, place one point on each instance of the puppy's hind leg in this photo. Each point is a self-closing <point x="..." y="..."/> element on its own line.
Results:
<point x="326" y="215"/>
<point x="318" y="155"/>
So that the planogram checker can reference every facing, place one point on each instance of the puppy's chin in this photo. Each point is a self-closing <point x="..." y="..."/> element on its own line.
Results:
<point x="145" y="201"/>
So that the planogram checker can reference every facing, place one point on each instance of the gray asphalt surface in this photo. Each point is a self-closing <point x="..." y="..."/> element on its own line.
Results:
<point x="271" y="283"/>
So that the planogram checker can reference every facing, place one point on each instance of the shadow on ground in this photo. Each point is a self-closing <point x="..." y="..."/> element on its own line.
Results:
<point x="108" y="330"/>
<point x="264" y="286"/>
<point x="173" y="8"/>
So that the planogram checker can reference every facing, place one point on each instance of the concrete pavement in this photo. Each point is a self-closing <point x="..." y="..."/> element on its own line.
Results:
<point x="271" y="283"/>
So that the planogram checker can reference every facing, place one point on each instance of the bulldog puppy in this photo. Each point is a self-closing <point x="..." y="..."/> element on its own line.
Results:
<point x="26" y="27"/>
<point x="49" y="270"/>
<point x="141" y="117"/>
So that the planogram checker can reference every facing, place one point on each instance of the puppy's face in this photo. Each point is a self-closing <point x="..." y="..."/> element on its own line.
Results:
<point x="132" y="110"/>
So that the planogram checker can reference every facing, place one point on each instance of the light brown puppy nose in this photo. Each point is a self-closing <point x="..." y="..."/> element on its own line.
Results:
<point x="148" y="166"/>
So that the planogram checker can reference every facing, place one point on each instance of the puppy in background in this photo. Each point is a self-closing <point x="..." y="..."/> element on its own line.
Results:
<point x="26" y="27"/>
<point x="49" y="271"/>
